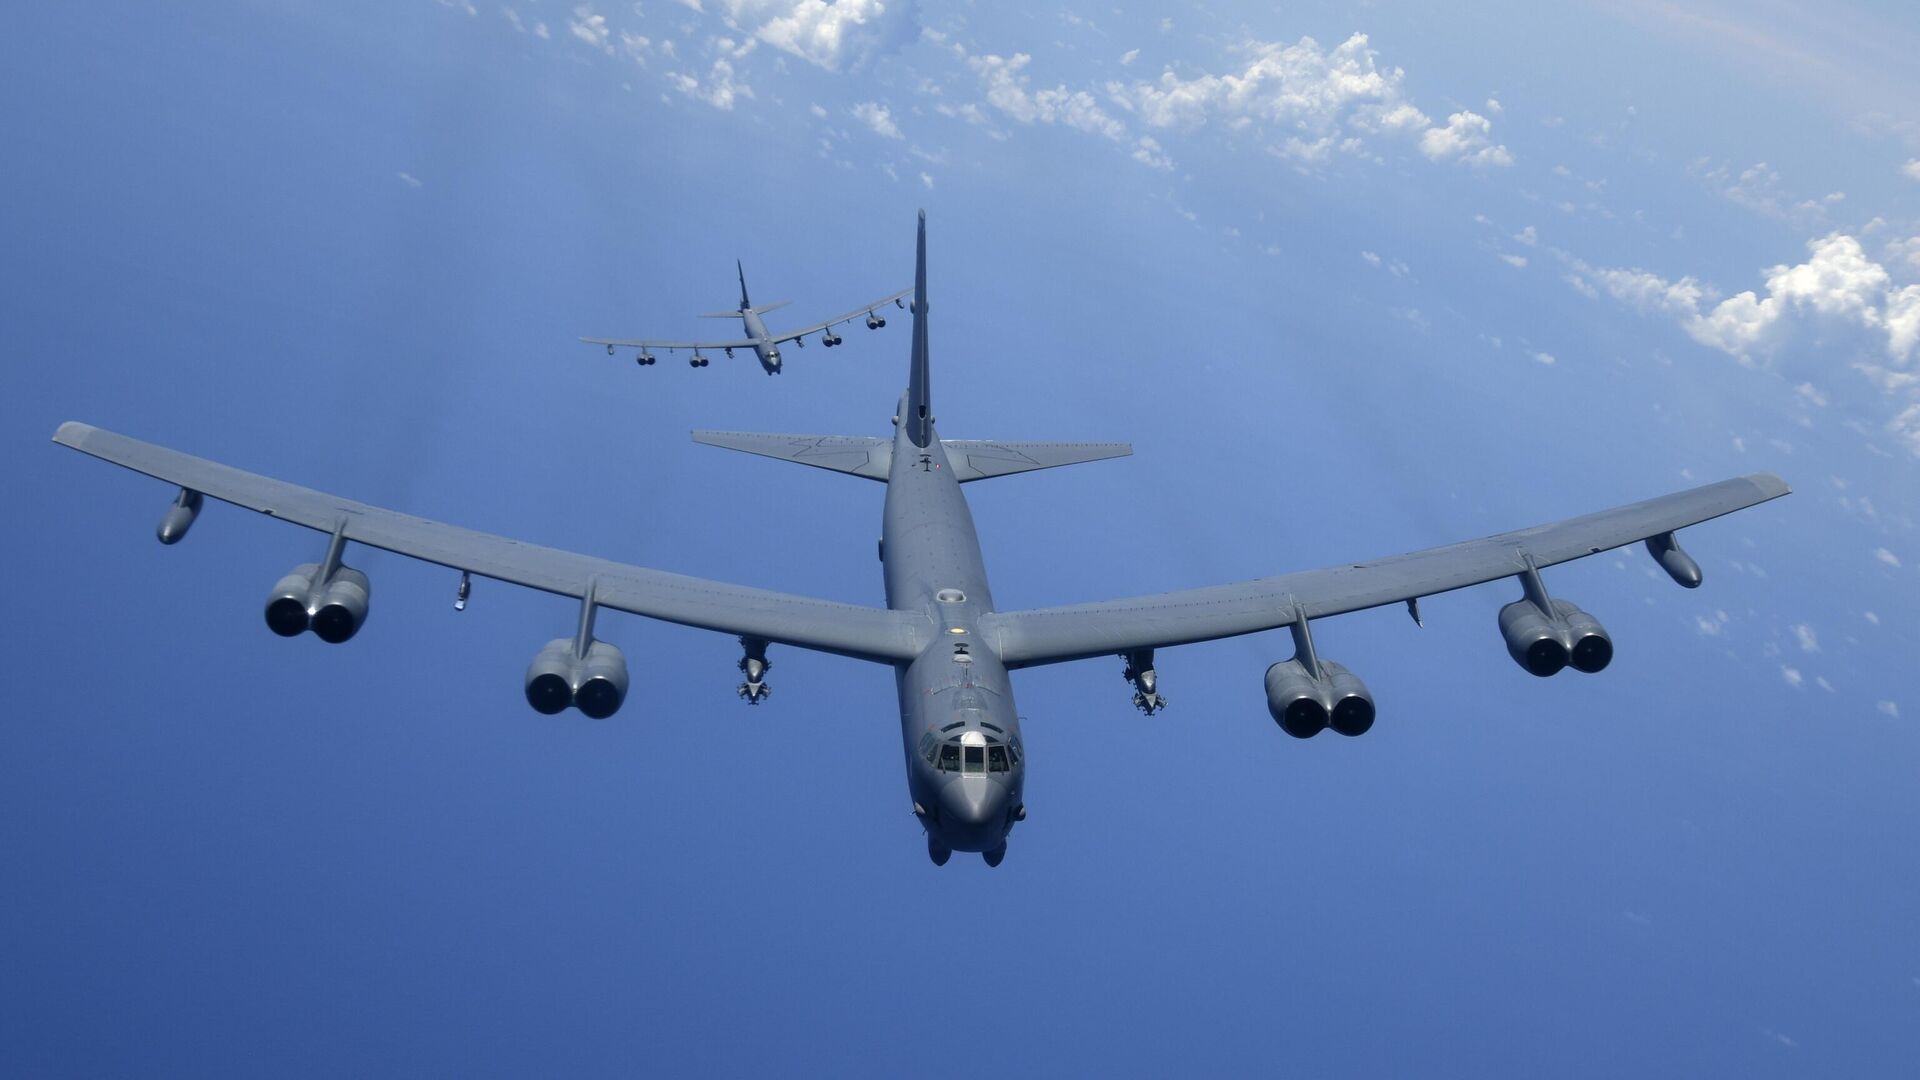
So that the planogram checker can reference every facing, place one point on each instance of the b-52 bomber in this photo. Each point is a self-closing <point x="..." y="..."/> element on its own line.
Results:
<point x="951" y="647"/>
<point x="764" y="343"/>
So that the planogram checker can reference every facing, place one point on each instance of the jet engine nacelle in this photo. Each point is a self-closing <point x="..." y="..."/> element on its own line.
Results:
<point x="1543" y="645"/>
<point x="1305" y="705"/>
<point x="595" y="684"/>
<point x="334" y="610"/>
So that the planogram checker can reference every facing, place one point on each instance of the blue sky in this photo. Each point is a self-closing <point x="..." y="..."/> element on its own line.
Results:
<point x="1353" y="279"/>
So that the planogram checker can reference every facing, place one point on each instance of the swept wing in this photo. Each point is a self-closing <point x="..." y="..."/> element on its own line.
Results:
<point x="1051" y="635"/>
<point x="865" y="633"/>
<point x="623" y="343"/>
<point x="827" y="324"/>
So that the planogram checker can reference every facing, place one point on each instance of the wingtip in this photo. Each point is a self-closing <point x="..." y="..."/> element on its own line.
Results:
<point x="1769" y="484"/>
<point x="73" y="433"/>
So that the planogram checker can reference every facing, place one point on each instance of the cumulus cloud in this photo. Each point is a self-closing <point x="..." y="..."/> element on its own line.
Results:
<point x="1323" y="99"/>
<point x="718" y="89"/>
<point x="1466" y="138"/>
<point x="1889" y="708"/>
<point x="875" y="116"/>
<point x="826" y="33"/>
<point x="1792" y="676"/>
<point x="1009" y="89"/>
<point x="408" y="179"/>
<point x="1805" y="635"/>
<point x="1887" y="557"/>
<point x="1545" y="358"/>
<point x="1518" y="262"/>
<point x="1837" y="286"/>
<point x="1912" y="169"/>
<point x="590" y="28"/>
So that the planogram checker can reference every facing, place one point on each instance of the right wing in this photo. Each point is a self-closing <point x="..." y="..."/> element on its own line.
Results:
<point x="1050" y="635"/>
<point x="696" y="346"/>
<point x="827" y="324"/>
<point x="864" y="633"/>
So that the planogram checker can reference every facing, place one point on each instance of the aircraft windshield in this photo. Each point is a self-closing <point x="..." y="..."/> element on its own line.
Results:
<point x="969" y="752"/>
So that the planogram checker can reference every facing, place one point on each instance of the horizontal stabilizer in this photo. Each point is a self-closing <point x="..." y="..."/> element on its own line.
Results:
<point x="762" y="309"/>
<point x="720" y="314"/>
<point x="849" y="454"/>
<point x="978" y="459"/>
<point x="971" y="459"/>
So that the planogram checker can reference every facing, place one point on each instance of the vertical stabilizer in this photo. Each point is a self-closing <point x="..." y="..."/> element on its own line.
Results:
<point x="919" y="418"/>
<point x="744" y="302"/>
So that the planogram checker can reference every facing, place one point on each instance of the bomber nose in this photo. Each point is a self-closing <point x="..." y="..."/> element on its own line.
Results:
<point x="971" y="810"/>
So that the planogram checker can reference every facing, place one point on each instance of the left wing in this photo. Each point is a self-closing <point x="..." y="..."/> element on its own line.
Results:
<point x="1050" y="635"/>
<point x="864" y="633"/>
<point x="828" y="324"/>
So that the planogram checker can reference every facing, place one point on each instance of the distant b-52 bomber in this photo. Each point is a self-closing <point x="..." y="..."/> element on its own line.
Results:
<point x="764" y="343"/>
<point x="949" y="644"/>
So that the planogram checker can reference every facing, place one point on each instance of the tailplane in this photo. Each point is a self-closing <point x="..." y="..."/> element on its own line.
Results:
<point x="970" y="459"/>
<point x="746" y="305"/>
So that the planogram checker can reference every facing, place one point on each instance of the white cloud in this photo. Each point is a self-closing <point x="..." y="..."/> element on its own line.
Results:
<point x="408" y="179"/>
<point x="1838" y="286"/>
<point x="1527" y="236"/>
<point x="1792" y="676"/>
<point x="1320" y="98"/>
<point x="875" y="116"/>
<point x="1911" y="169"/>
<point x="1542" y="358"/>
<point x="1905" y="251"/>
<point x="1810" y="394"/>
<point x="590" y="28"/>
<point x="1887" y="557"/>
<point x="1466" y="138"/>
<point x="1805" y="635"/>
<point x="1147" y="152"/>
<point x="1871" y="617"/>
<point x="540" y="31"/>
<point x="1371" y="258"/>
<point x="1007" y="90"/>
<point x="822" y="33"/>
<point x="1129" y="57"/>
<point x="718" y="89"/>
<point x="513" y="19"/>
<point x="1518" y="262"/>
<point x="819" y="111"/>
<point x="927" y="180"/>
<point x="1890" y="708"/>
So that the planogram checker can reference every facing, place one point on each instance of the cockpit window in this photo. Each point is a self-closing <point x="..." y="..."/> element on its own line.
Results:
<point x="949" y="757"/>
<point x="996" y="758"/>
<point x="976" y="758"/>
<point x="927" y="744"/>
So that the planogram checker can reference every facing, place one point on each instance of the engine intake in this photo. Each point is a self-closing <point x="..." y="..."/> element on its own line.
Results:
<point x="1544" y="644"/>
<point x="596" y="684"/>
<point x="1304" y="704"/>
<point x="333" y="609"/>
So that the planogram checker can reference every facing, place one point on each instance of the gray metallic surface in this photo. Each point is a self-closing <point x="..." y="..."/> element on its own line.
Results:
<point x="1051" y="635"/>
<point x="764" y="343"/>
<point x="970" y="459"/>
<point x="950" y="649"/>
<point x="864" y="633"/>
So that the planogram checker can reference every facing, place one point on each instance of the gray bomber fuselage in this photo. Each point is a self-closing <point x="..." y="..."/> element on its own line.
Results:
<point x="763" y="346"/>
<point x="956" y="693"/>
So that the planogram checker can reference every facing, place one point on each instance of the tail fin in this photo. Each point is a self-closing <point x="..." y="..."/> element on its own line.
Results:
<point x="745" y="303"/>
<point x="919" y="418"/>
